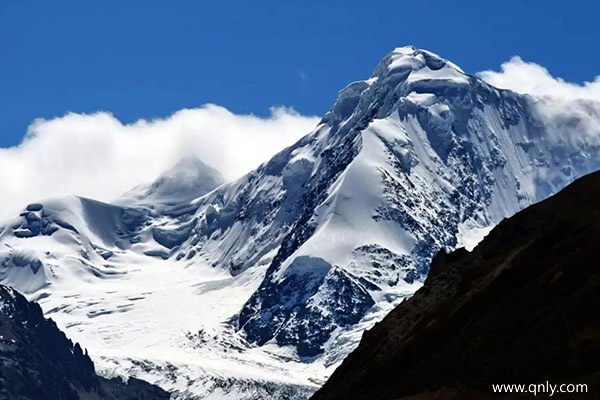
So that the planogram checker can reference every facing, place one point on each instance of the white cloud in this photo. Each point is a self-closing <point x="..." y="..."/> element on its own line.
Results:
<point x="571" y="110"/>
<point x="531" y="78"/>
<point x="95" y="155"/>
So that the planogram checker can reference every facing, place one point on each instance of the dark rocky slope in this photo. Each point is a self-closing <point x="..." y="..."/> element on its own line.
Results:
<point x="38" y="362"/>
<point x="521" y="308"/>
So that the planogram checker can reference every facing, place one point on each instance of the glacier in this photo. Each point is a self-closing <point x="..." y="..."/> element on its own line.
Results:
<point x="259" y="287"/>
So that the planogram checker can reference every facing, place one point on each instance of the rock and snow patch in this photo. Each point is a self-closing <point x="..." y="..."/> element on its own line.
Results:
<point x="261" y="286"/>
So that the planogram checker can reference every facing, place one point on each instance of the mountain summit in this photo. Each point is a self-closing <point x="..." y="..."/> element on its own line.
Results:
<point x="188" y="179"/>
<point x="410" y="161"/>
<point x="418" y="64"/>
<point x="285" y="267"/>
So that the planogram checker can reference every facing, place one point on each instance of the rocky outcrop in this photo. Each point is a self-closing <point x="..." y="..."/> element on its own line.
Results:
<point x="38" y="362"/>
<point x="520" y="308"/>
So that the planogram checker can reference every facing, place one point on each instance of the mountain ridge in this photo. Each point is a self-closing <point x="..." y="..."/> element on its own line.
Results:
<point x="514" y="310"/>
<point x="292" y="261"/>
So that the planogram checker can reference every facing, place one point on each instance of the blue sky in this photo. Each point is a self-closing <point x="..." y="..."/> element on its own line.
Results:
<point x="145" y="59"/>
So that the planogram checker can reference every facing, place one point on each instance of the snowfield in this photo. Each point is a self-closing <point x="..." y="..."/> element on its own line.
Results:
<point x="165" y="320"/>
<point x="258" y="288"/>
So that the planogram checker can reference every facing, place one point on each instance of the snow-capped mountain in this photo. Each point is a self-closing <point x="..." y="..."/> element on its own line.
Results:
<point x="260" y="287"/>
<point x="187" y="180"/>
<point x="415" y="159"/>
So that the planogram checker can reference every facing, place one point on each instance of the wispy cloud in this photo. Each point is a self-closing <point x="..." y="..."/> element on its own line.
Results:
<point x="95" y="155"/>
<point x="303" y="76"/>
<point x="570" y="109"/>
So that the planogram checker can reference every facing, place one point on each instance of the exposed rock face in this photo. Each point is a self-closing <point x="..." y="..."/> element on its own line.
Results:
<point x="38" y="362"/>
<point x="290" y="263"/>
<point x="521" y="308"/>
<point x="402" y="166"/>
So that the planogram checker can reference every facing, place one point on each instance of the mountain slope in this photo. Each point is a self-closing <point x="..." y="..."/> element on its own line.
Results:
<point x="411" y="161"/>
<point x="103" y="273"/>
<point x="260" y="287"/>
<point x="187" y="180"/>
<point x="37" y="361"/>
<point x="519" y="309"/>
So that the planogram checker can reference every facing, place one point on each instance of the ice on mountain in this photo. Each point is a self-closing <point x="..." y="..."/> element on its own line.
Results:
<point x="188" y="179"/>
<point x="172" y="237"/>
<point x="431" y="151"/>
<point x="287" y="265"/>
<point x="22" y="268"/>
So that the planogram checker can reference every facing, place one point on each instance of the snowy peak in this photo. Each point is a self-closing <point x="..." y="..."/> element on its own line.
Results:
<point x="413" y="59"/>
<point x="293" y="261"/>
<point x="406" y="74"/>
<point x="406" y="163"/>
<point x="188" y="179"/>
<point x="411" y="65"/>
